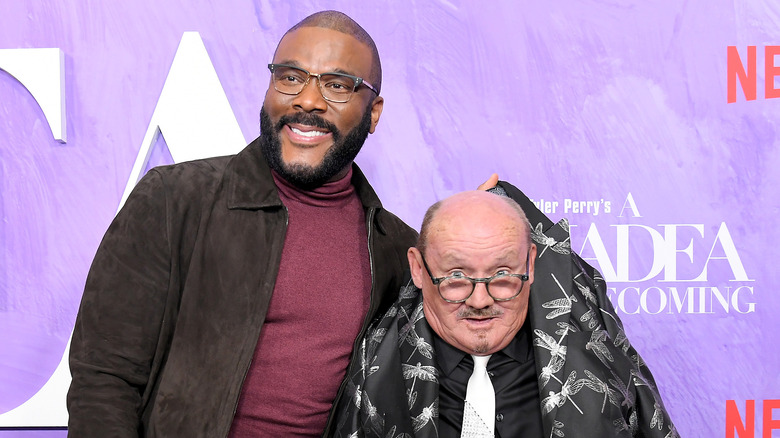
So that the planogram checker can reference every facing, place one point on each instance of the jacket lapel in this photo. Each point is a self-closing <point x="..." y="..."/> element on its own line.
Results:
<point x="550" y="308"/>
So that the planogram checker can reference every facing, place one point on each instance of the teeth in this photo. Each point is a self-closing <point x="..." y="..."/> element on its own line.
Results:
<point x="308" y="133"/>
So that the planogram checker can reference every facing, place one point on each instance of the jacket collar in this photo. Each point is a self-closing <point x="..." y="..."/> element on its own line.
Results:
<point x="363" y="189"/>
<point x="250" y="185"/>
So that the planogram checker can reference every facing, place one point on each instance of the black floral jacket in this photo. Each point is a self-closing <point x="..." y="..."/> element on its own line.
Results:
<point x="592" y="383"/>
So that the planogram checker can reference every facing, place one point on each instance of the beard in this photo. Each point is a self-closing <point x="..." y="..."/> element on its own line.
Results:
<point x="481" y="344"/>
<point x="340" y="155"/>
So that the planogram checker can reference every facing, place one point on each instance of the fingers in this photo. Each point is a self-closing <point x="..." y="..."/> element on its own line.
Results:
<point x="490" y="183"/>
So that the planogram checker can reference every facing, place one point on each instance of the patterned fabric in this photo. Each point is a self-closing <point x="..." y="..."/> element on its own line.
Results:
<point x="394" y="391"/>
<point x="591" y="380"/>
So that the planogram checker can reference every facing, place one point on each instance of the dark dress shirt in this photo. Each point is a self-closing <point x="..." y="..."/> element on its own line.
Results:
<point x="513" y="374"/>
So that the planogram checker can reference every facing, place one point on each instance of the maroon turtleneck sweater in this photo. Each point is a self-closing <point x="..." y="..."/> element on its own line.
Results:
<point x="318" y="305"/>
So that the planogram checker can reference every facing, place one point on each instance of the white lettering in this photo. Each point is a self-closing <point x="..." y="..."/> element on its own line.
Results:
<point x="670" y="249"/>
<point x="723" y="300"/>
<point x="622" y="300"/>
<point x="735" y="300"/>
<point x="696" y="300"/>
<point x="665" y="250"/>
<point x="631" y="205"/>
<point x="192" y="113"/>
<point x="547" y="207"/>
<point x="658" y="259"/>
<point x="42" y="72"/>
<point x="602" y="258"/>
<point x="661" y="300"/>
<point x="730" y="250"/>
<point x="678" y="303"/>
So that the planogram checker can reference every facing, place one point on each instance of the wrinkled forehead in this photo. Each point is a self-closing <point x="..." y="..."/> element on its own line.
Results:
<point x="470" y="228"/>
<point x="455" y="236"/>
<point x="494" y="237"/>
<point x="478" y="213"/>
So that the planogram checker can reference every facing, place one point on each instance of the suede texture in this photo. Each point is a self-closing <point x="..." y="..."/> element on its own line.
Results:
<point x="178" y="291"/>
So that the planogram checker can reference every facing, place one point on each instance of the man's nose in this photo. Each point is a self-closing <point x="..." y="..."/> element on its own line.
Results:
<point x="480" y="298"/>
<point x="310" y="99"/>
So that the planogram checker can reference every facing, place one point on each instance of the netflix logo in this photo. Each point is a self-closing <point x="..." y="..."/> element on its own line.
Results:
<point x="747" y="73"/>
<point x="737" y="428"/>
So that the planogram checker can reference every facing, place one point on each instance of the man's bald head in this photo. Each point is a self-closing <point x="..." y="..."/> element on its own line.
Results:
<point x="466" y="203"/>
<point x="341" y="22"/>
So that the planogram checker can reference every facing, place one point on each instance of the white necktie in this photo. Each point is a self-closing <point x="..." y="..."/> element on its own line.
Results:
<point x="480" y="407"/>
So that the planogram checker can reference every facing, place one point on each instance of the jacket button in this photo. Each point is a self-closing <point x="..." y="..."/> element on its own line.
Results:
<point x="499" y="417"/>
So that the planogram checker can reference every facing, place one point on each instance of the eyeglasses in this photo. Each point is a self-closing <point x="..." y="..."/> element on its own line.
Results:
<point x="334" y="87"/>
<point x="500" y="287"/>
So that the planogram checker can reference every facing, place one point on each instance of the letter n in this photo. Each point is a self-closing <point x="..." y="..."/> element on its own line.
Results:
<point x="734" y="421"/>
<point x="737" y="70"/>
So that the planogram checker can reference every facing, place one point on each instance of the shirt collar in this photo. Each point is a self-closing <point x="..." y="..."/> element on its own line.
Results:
<point x="519" y="349"/>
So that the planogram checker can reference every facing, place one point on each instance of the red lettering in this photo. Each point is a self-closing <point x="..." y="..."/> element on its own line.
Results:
<point x="770" y="71"/>
<point x="736" y="70"/>
<point x="734" y="420"/>
<point x="770" y="424"/>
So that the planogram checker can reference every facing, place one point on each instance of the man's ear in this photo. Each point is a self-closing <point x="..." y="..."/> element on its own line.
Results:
<point x="376" y="112"/>
<point x="531" y="263"/>
<point x="415" y="266"/>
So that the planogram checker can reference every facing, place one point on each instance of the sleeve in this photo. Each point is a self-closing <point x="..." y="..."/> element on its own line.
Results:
<point x="647" y="416"/>
<point x="119" y="320"/>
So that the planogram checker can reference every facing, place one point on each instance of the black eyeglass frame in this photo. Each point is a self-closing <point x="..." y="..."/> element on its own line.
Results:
<point x="358" y="82"/>
<point x="486" y="280"/>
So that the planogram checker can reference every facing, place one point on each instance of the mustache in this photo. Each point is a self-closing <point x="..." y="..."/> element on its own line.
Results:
<point x="307" y="119"/>
<point x="487" y="312"/>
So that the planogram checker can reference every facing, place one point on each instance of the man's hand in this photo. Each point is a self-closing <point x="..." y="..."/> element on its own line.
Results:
<point x="490" y="183"/>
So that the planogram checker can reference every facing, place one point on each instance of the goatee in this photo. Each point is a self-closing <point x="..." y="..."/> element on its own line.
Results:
<point x="337" y="158"/>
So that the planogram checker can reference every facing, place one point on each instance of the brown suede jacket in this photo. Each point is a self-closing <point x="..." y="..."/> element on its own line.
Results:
<point x="178" y="292"/>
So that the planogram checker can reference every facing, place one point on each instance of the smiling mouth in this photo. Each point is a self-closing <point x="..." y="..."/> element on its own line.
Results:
<point x="310" y="134"/>
<point x="307" y="135"/>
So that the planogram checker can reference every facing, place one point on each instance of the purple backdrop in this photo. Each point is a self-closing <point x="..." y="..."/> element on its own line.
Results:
<point x="621" y="103"/>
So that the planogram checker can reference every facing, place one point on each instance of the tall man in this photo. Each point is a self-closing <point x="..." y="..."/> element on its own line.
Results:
<point x="555" y="361"/>
<point x="226" y="296"/>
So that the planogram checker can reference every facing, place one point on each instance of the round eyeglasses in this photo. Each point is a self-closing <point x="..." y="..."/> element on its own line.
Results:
<point x="458" y="288"/>
<point x="334" y="87"/>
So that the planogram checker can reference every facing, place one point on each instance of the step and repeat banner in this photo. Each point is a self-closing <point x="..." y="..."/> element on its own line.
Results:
<point x="652" y="126"/>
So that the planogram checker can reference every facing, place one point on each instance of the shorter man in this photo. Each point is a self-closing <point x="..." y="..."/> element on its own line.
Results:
<point x="557" y="359"/>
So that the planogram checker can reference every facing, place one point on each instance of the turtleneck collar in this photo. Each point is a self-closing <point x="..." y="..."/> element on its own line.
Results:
<point x="330" y="194"/>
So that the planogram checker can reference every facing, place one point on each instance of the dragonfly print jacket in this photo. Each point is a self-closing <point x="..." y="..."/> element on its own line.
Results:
<point x="592" y="382"/>
<point x="179" y="290"/>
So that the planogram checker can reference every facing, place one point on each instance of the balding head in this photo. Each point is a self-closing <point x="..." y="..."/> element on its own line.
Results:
<point x="341" y="22"/>
<point x="478" y="242"/>
<point x="478" y="204"/>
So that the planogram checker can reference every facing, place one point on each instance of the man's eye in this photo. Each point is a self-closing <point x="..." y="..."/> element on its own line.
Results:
<point x="457" y="274"/>
<point x="337" y="83"/>
<point x="501" y="273"/>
